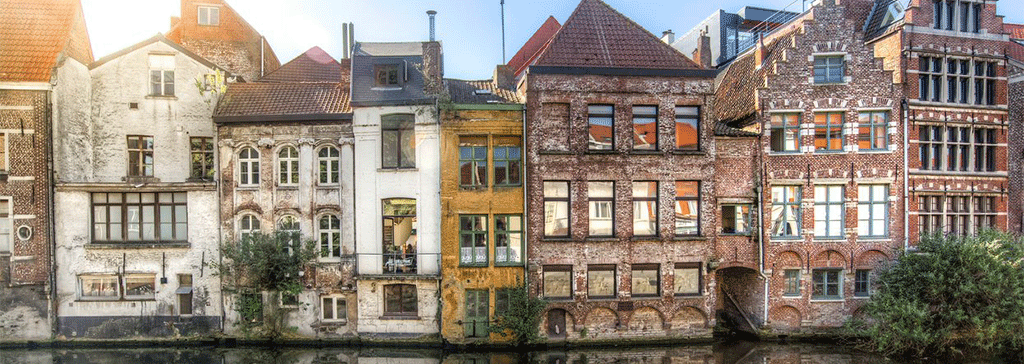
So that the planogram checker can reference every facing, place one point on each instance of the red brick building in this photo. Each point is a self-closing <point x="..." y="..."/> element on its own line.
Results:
<point x="213" y="30"/>
<point x="620" y="208"/>
<point x="1015" y="97"/>
<point x="829" y="162"/>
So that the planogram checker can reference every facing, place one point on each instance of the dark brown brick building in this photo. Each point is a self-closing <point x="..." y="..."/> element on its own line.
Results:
<point x="830" y="157"/>
<point x="213" y="30"/>
<point x="1015" y="97"/>
<point x="43" y="55"/>
<point x="620" y="163"/>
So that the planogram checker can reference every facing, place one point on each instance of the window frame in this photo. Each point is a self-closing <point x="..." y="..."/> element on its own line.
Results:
<point x="593" y="201"/>
<point x="401" y="125"/>
<point x="329" y="166"/>
<point x="508" y="233"/>
<point x="791" y="286"/>
<point x="558" y="201"/>
<point x="476" y="232"/>
<point x="832" y="131"/>
<point x="594" y="114"/>
<point x="828" y="67"/>
<point x="956" y="213"/>
<point x="335" y="317"/>
<point x="184" y="294"/>
<point x="680" y="118"/>
<point x="511" y="164"/>
<point x="204" y="156"/>
<point x="700" y="278"/>
<point x="147" y="279"/>
<point x="745" y="217"/>
<point x="7" y="225"/>
<point x="402" y="300"/>
<point x="958" y="148"/>
<point x="823" y="285"/>
<point x="638" y="204"/>
<point x="250" y="175"/>
<point x="477" y="146"/>
<point x="82" y="296"/>
<point x="868" y="206"/>
<point x="156" y="207"/>
<point x="634" y="268"/>
<point x="210" y="10"/>
<point x="876" y="132"/>
<point x="289" y="224"/>
<point x="141" y="168"/>
<point x="254" y="226"/>
<point x="161" y="76"/>
<point x="331" y="231"/>
<point x="781" y="125"/>
<point x="826" y="206"/>
<point x="287" y="166"/>
<point x="679" y="199"/>
<point x="396" y="255"/>
<point x="786" y="205"/>
<point x="470" y="329"/>
<point x="560" y="269"/>
<point x="388" y="70"/>
<point x="862" y="283"/>
<point x="602" y="268"/>
<point x="639" y="114"/>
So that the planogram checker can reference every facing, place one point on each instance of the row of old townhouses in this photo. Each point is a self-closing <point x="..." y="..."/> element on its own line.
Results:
<point x="755" y="173"/>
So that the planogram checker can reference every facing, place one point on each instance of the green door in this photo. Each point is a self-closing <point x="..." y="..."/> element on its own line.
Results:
<point x="477" y="308"/>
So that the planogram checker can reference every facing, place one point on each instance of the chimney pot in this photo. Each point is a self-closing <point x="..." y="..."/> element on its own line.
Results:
<point x="668" y="36"/>
<point x="431" y="14"/>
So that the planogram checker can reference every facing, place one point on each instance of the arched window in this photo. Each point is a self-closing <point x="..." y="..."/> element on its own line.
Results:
<point x="288" y="166"/>
<point x="289" y="226"/>
<point x="329" y="162"/>
<point x="248" y="226"/>
<point x="249" y="167"/>
<point x="329" y="230"/>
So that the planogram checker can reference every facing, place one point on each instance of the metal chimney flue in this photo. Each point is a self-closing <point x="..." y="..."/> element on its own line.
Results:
<point x="431" y="14"/>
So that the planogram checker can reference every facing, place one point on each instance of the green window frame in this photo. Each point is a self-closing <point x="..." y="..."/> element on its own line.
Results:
<point x="508" y="240"/>
<point x="791" y="279"/>
<point x="473" y="240"/>
<point x="201" y="153"/>
<point x="873" y="211"/>
<point x="874" y="130"/>
<point x="508" y="165"/>
<point x="476" y="320"/>
<point x="829" y="69"/>
<point x="473" y="162"/>
<point x="828" y="132"/>
<point x="828" y="284"/>
<point x="785" y="130"/>
<point x="862" y="283"/>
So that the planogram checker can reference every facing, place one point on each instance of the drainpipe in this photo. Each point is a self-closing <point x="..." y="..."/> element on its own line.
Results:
<point x="50" y="206"/>
<point x="906" y="179"/>
<point x="526" y="232"/>
<point x="220" y="232"/>
<point x="759" y="190"/>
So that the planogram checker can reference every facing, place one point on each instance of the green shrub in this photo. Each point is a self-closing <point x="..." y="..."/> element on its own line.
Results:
<point x="521" y="320"/>
<point x="955" y="296"/>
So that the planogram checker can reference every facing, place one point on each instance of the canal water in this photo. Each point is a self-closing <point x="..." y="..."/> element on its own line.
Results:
<point x="719" y="353"/>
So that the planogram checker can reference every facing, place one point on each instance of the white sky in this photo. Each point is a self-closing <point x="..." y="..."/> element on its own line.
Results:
<point x="470" y="30"/>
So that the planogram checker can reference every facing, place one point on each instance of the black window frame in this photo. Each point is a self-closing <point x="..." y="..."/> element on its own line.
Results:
<point x="676" y="210"/>
<point x="402" y="125"/>
<point x="402" y="290"/>
<point x="592" y="200"/>
<point x="603" y="268"/>
<point x="561" y="269"/>
<point x="567" y="201"/>
<point x="593" y="114"/>
<point x="738" y="215"/>
<point x="649" y="267"/>
<point x="700" y="278"/>
<point x="682" y="116"/>
<point x="639" y="201"/>
<point x="644" y="114"/>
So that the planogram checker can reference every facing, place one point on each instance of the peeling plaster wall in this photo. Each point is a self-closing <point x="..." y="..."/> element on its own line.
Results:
<point x="376" y="184"/>
<point x="94" y="158"/>
<point x="307" y="202"/>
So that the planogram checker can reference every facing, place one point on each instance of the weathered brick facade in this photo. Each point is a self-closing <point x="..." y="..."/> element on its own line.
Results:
<point x="1015" y="94"/>
<point x="231" y="43"/>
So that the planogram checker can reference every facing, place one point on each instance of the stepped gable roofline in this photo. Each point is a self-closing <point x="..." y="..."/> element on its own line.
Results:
<point x="534" y="46"/>
<point x="596" y="35"/>
<point x="313" y="65"/>
<point x="35" y="33"/>
<point x="156" y="38"/>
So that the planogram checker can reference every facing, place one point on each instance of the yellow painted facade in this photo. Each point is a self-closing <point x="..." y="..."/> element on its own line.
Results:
<point x="478" y="198"/>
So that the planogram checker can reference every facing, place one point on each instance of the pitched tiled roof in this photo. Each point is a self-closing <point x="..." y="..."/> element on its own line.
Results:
<point x="595" y="35"/>
<point x="738" y="82"/>
<point x="531" y="50"/>
<point x="34" y="32"/>
<point x="465" y="92"/>
<point x="262" y="99"/>
<point x="1016" y="31"/>
<point x="723" y="129"/>
<point x="1016" y="51"/>
<point x="314" y="65"/>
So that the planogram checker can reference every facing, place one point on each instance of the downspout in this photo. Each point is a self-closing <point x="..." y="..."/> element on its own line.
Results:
<point x="526" y="179"/>
<point x="50" y="206"/>
<point x="906" y="178"/>
<point x="220" y="233"/>
<point x="759" y="190"/>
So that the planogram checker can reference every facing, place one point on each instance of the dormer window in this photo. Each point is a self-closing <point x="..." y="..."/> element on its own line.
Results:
<point x="209" y="15"/>
<point x="386" y="75"/>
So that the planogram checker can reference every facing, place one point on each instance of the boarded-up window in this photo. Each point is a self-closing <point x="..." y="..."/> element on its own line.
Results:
<point x="687" y="279"/>
<point x="558" y="281"/>
<point x="553" y="132"/>
<point x="601" y="281"/>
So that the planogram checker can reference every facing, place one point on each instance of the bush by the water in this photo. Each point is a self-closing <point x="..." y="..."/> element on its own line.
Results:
<point x="954" y="296"/>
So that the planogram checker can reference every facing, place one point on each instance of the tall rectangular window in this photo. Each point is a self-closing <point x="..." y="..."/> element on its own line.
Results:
<point x="965" y="16"/>
<point x="976" y="24"/>
<point x="687" y="208"/>
<point x="398" y="142"/>
<point x="874" y="130"/>
<point x="984" y="213"/>
<point x="828" y="284"/>
<point x="508" y="161"/>
<point x="828" y="212"/>
<point x="786" y="211"/>
<point x="473" y="240"/>
<point x="829" y="69"/>
<point x="161" y="74"/>
<point x="958" y="215"/>
<point x="557" y="280"/>
<point x="6" y="238"/>
<point x="985" y="150"/>
<point x="399" y="235"/>
<point x="791" y="282"/>
<point x="184" y="293"/>
<point x="140" y="156"/>
<point x="508" y="239"/>
<point x="201" y="150"/>
<point x="477" y="318"/>
<point x="473" y="161"/>
<point x="645" y="208"/>
<point x="139" y="217"/>
<point x="687" y="127"/>
<point x="862" y="283"/>
<point x="828" y="132"/>
<point x="601" y="281"/>
<point x="645" y="128"/>
<point x="601" y="200"/>
<point x="688" y="279"/>
<point x="646" y="280"/>
<point x="556" y="209"/>
<point x="601" y="121"/>
<point x="873" y="210"/>
<point x="736" y="219"/>
<point x="785" y="132"/>
<point x="328" y="160"/>
<point x="930" y="214"/>
<point x="209" y="15"/>
<point x="937" y="7"/>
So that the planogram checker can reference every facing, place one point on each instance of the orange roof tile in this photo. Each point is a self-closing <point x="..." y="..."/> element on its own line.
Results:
<point x="595" y="35"/>
<point x="531" y="50"/>
<point x="1016" y="31"/>
<point x="34" y="32"/>
<point x="314" y="65"/>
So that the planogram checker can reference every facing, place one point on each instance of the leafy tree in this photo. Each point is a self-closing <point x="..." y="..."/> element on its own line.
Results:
<point x="264" y="263"/>
<point x="521" y="321"/>
<point x="955" y="296"/>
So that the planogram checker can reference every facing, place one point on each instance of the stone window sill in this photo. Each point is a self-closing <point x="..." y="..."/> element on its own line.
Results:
<point x="332" y="186"/>
<point x="690" y="238"/>
<point x="830" y="240"/>
<point x="827" y="300"/>
<point x="600" y="152"/>
<point x="400" y="317"/>
<point x="565" y="239"/>
<point x="333" y="323"/>
<point x="161" y="97"/>
<point x="689" y="295"/>
<point x="844" y="83"/>
<point x="689" y="152"/>
<point x="554" y="152"/>
<point x="644" y="238"/>
<point x="784" y="153"/>
<point x="646" y="152"/>
<point x="869" y="239"/>
<point x="138" y="245"/>
<point x="792" y="296"/>
<point x="396" y="170"/>
<point x="287" y="187"/>
<point x="875" y="151"/>
<point x="602" y="239"/>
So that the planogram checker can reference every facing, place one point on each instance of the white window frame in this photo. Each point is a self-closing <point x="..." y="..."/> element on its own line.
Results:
<point x="149" y="277"/>
<point x="870" y="197"/>
<point x="242" y="231"/>
<point x="337" y="315"/>
<point x="291" y="167"/>
<point x="253" y="164"/>
<point x="81" y="287"/>
<point x="210" y="10"/>
<point x="162" y="63"/>
<point x="7" y="227"/>
<point x="332" y="165"/>
<point x="330" y="231"/>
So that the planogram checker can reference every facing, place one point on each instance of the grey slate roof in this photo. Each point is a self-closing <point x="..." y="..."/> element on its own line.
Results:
<point x="466" y="92"/>
<point x="404" y="55"/>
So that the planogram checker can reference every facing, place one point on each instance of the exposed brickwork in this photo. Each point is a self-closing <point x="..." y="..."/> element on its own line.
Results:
<point x="232" y="44"/>
<point x="1015" y="211"/>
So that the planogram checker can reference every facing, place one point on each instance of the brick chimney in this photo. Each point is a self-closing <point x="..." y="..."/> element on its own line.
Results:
<point x="174" y="21"/>
<point x="702" y="55"/>
<point x="760" y="52"/>
<point x="503" y="78"/>
<point x="433" y="68"/>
